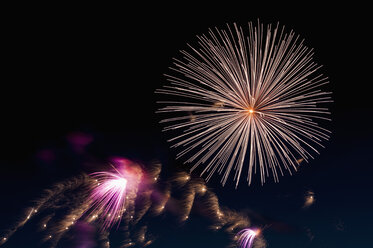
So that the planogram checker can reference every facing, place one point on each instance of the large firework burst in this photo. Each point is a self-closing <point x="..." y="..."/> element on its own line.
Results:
<point x="247" y="101"/>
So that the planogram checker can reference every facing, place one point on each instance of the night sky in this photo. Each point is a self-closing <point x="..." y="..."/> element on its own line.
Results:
<point x="94" y="69"/>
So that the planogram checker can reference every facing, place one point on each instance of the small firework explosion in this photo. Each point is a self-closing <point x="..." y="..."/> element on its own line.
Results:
<point x="246" y="100"/>
<point x="109" y="196"/>
<point x="246" y="237"/>
<point x="109" y="193"/>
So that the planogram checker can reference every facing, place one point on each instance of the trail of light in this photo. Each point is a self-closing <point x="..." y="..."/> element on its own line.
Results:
<point x="246" y="237"/>
<point x="108" y="197"/>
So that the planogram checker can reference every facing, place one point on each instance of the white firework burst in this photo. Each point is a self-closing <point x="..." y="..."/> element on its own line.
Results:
<point x="247" y="101"/>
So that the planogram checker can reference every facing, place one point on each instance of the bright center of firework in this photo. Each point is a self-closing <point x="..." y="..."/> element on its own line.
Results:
<point x="120" y="183"/>
<point x="250" y="110"/>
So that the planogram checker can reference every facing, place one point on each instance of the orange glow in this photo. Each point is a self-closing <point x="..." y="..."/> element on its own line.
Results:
<point x="250" y="110"/>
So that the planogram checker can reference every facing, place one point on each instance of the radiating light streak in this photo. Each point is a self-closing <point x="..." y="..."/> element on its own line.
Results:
<point x="254" y="100"/>
<point x="246" y="237"/>
<point x="108" y="197"/>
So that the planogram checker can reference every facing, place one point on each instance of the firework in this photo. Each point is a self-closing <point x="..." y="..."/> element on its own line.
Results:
<point x="54" y="198"/>
<point x="110" y="191"/>
<point x="254" y="101"/>
<point x="135" y="196"/>
<point x="246" y="237"/>
<point x="109" y="196"/>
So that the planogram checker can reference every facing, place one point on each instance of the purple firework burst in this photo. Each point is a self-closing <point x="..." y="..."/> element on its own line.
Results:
<point x="108" y="197"/>
<point x="246" y="237"/>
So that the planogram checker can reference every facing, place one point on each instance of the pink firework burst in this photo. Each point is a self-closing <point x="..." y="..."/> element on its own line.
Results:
<point x="108" y="196"/>
<point x="111" y="190"/>
<point x="246" y="237"/>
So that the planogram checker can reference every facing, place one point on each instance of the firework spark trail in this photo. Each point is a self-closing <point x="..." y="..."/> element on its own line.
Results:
<point x="194" y="190"/>
<point x="73" y="201"/>
<point x="142" y="202"/>
<point x="257" y="95"/>
<point x="51" y="198"/>
<point x="77" y="205"/>
<point x="108" y="197"/>
<point x="246" y="237"/>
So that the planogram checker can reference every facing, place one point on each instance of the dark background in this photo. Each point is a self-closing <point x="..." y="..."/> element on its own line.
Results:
<point x="94" y="69"/>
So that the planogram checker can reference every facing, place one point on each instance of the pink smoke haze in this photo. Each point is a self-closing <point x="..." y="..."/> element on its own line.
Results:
<point x="46" y="155"/>
<point x="85" y="237"/>
<point x="79" y="141"/>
